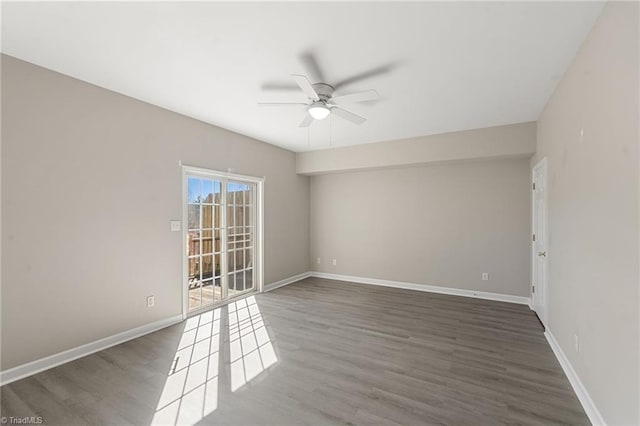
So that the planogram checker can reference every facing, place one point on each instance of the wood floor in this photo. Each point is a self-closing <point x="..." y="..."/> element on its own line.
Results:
<point x="200" y="297"/>
<point x="318" y="352"/>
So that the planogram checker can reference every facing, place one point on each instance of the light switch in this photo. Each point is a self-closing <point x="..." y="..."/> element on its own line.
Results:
<point x="175" y="225"/>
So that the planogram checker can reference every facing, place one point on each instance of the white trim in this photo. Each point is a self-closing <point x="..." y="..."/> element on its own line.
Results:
<point x="287" y="281"/>
<point x="259" y="261"/>
<point x="428" y="288"/>
<point x="581" y="392"/>
<point x="185" y="230"/>
<point x="216" y="173"/>
<point x="33" y="367"/>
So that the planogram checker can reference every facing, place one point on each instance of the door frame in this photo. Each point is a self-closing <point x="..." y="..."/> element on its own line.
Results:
<point x="542" y="164"/>
<point x="259" y="232"/>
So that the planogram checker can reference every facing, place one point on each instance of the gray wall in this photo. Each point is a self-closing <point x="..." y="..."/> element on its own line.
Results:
<point x="440" y="225"/>
<point x="593" y="212"/>
<point x="90" y="181"/>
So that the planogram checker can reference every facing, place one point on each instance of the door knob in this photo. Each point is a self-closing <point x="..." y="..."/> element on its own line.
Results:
<point x="542" y="253"/>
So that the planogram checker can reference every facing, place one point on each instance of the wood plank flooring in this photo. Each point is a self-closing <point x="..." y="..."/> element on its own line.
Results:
<point x="318" y="352"/>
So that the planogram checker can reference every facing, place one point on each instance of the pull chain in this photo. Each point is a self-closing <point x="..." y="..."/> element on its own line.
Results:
<point x="331" y="130"/>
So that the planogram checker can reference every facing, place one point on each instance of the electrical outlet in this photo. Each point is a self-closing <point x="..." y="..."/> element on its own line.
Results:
<point x="576" y="343"/>
<point x="334" y="262"/>
<point x="175" y="225"/>
<point x="318" y="261"/>
<point x="485" y="276"/>
<point x="151" y="301"/>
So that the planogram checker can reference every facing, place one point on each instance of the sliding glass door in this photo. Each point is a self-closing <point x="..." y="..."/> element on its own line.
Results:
<point x="240" y="236"/>
<point x="221" y="216"/>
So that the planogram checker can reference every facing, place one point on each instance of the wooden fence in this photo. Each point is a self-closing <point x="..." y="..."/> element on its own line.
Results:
<point x="239" y="235"/>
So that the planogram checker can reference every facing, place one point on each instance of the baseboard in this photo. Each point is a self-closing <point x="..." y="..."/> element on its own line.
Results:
<point x="42" y="364"/>
<point x="581" y="392"/>
<point x="287" y="281"/>
<point x="428" y="288"/>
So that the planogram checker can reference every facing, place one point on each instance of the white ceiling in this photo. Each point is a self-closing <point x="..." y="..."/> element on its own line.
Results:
<point x="453" y="65"/>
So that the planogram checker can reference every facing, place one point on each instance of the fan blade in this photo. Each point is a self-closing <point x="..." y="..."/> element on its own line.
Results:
<point x="366" y="95"/>
<point x="306" y="122"/>
<point x="279" y="86"/>
<point x="348" y="115"/>
<point x="311" y="64"/>
<point x="306" y="86"/>
<point x="366" y="74"/>
<point x="281" y="104"/>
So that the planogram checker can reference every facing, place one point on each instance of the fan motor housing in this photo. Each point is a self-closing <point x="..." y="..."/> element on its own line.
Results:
<point x="324" y="91"/>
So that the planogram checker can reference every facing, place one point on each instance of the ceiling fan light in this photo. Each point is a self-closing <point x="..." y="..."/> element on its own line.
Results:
<point x="318" y="111"/>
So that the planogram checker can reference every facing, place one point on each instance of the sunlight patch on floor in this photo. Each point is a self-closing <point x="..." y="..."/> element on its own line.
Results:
<point x="251" y="350"/>
<point x="191" y="390"/>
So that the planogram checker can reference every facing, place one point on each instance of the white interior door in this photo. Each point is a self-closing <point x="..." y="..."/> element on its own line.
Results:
<point x="540" y="255"/>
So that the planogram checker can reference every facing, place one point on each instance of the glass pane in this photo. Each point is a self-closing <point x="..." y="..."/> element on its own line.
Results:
<point x="194" y="216"/>
<point x="247" y="216"/>
<point x="231" y="267"/>
<point x="239" y="260"/>
<point x="231" y="192"/>
<point x="239" y="219"/>
<point x="218" y="289"/>
<point x="195" y="290"/>
<point x="194" y="190"/>
<point x="232" y="284"/>
<point x="207" y="216"/>
<point x="230" y="216"/>
<point x="195" y="246"/>
<point x="194" y="270"/>
<point x="217" y="213"/>
<point x="194" y="297"/>
<point x="248" y="258"/>
<point x="217" y="241"/>
<point x="248" y="196"/>
<point x="207" y="267"/>
<point x="193" y="243"/>
<point x="217" y="192"/>
<point x="218" y="267"/>
<point x="207" y="241"/>
<point x="208" y="295"/>
<point x="248" y="277"/>
<point x="240" y="281"/>
<point x="207" y="191"/>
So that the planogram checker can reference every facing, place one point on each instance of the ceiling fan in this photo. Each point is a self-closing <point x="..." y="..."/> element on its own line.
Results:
<point x="322" y="103"/>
